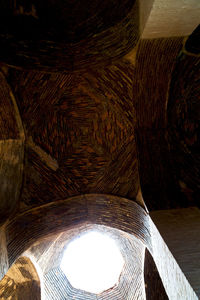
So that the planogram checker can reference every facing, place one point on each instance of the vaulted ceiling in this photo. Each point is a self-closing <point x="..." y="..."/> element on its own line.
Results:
<point x="87" y="107"/>
<point x="96" y="99"/>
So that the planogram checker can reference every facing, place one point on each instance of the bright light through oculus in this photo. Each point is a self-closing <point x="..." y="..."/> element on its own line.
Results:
<point x="92" y="262"/>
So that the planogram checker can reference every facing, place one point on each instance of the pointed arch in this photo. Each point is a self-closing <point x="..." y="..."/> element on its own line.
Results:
<point x="21" y="281"/>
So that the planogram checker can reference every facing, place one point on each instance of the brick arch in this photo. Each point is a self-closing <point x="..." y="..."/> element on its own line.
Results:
<point x="21" y="281"/>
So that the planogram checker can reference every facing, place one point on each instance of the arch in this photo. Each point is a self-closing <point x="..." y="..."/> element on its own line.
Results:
<point x="30" y="227"/>
<point x="55" y="217"/>
<point x="153" y="284"/>
<point x="71" y="44"/>
<point x="21" y="281"/>
<point x="11" y="151"/>
<point x="183" y="118"/>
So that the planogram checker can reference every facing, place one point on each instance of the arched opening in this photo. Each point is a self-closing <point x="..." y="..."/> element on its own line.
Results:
<point x="153" y="284"/>
<point x="21" y="282"/>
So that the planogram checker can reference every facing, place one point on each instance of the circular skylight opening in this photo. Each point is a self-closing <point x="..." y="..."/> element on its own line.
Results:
<point x="92" y="262"/>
